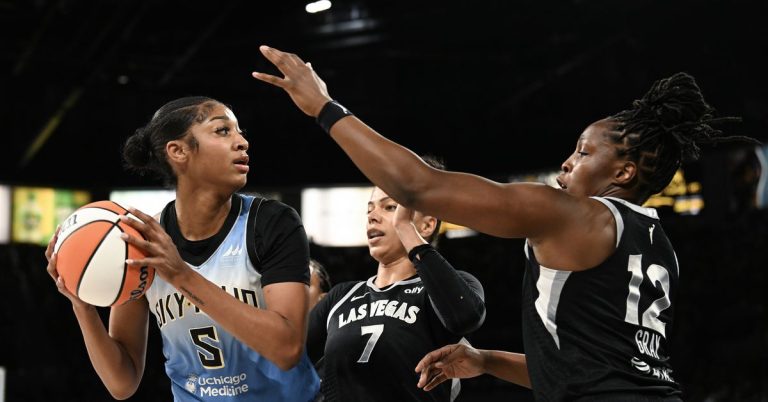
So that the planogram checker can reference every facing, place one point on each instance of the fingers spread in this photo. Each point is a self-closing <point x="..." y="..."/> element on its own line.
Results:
<point x="141" y="262"/>
<point x="141" y="215"/>
<point x="140" y="243"/>
<point x="270" y="79"/>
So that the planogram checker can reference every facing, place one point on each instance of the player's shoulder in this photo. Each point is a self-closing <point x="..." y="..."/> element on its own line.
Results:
<point x="341" y="289"/>
<point x="269" y="213"/>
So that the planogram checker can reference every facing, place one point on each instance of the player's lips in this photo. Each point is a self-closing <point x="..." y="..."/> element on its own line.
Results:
<point x="561" y="183"/>
<point x="241" y="164"/>
<point x="374" y="235"/>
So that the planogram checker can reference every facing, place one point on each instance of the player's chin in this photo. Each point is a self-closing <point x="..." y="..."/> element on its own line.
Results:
<point x="376" y="251"/>
<point x="238" y="182"/>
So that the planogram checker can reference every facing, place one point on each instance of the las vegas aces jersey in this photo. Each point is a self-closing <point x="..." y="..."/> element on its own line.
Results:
<point x="604" y="333"/>
<point x="373" y="338"/>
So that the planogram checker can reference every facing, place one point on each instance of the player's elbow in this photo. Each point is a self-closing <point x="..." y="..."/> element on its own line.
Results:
<point x="410" y="193"/>
<point x="289" y="356"/>
<point x="123" y="391"/>
<point x="464" y="325"/>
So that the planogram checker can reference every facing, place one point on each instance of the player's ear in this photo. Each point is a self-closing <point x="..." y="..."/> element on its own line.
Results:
<point x="426" y="226"/>
<point x="626" y="173"/>
<point x="176" y="151"/>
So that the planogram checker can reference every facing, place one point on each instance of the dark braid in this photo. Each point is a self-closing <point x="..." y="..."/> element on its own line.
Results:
<point x="665" y="128"/>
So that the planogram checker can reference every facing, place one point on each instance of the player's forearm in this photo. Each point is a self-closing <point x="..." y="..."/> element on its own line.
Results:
<point x="507" y="366"/>
<point x="390" y="166"/>
<point x="114" y="366"/>
<point x="267" y="332"/>
<point x="460" y="307"/>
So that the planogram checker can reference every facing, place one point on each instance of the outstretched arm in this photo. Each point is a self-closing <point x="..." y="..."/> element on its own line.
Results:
<point x="490" y="207"/>
<point x="544" y="215"/>
<point x="464" y="361"/>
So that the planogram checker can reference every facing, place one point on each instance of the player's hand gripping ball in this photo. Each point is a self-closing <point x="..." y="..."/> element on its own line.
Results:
<point x="91" y="256"/>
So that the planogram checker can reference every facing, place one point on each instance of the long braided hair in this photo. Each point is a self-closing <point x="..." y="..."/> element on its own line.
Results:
<point x="665" y="128"/>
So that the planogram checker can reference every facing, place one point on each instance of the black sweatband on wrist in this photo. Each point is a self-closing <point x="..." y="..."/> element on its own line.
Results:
<point x="330" y="114"/>
<point x="417" y="251"/>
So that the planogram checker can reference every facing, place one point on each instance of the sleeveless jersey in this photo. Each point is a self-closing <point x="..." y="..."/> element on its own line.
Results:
<point x="204" y="361"/>
<point x="604" y="333"/>
<point x="375" y="337"/>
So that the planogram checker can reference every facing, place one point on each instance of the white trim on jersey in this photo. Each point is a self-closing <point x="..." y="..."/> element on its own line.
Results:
<point x="525" y="250"/>
<point x="649" y="212"/>
<point x="340" y="302"/>
<point x="375" y="288"/>
<point x="550" y="285"/>
<point x="455" y="382"/>
<point x="677" y="265"/>
<point x="616" y="215"/>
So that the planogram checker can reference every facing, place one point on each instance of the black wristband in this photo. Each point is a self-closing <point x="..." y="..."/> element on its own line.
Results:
<point x="418" y="251"/>
<point x="330" y="114"/>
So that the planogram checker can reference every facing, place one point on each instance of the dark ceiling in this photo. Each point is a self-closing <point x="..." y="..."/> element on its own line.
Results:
<point x="496" y="87"/>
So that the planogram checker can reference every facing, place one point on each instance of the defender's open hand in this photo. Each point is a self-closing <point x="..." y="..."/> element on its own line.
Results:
<point x="301" y="82"/>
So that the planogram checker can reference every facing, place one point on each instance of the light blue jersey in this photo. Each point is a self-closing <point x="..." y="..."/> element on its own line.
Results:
<point x="205" y="362"/>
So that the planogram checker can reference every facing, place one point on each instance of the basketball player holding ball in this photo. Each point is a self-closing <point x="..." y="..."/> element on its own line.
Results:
<point x="230" y="294"/>
<point x="370" y="334"/>
<point x="602" y="277"/>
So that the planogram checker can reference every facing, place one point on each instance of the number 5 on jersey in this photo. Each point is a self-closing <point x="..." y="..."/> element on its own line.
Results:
<point x="210" y="356"/>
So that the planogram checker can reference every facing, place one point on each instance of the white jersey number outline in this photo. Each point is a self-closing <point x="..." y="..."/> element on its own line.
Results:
<point x="210" y="356"/>
<point x="375" y="331"/>
<point x="659" y="277"/>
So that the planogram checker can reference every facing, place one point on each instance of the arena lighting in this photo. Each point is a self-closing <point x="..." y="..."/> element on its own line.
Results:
<point x="37" y="211"/>
<point x="317" y="6"/>
<point x="149" y="201"/>
<point x="336" y="216"/>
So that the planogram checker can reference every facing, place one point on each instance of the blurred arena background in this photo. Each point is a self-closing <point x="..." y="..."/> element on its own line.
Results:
<point x="497" y="88"/>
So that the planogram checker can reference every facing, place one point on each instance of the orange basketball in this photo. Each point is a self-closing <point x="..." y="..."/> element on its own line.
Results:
<point x="91" y="256"/>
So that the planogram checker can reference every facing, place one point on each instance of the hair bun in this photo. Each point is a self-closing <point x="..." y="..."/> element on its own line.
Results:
<point x="675" y="100"/>
<point x="137" y="151"/>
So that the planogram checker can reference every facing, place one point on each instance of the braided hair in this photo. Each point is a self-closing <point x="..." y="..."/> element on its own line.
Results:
<point x="144" y="151"/>
<point x="665" y="128"/>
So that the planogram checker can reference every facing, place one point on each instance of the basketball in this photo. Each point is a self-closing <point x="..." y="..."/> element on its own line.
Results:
<point x="91" y="256"/>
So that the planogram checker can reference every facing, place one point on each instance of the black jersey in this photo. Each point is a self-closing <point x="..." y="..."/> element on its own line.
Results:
<point x="373" y="338"/>
<point x="603" y="333"/>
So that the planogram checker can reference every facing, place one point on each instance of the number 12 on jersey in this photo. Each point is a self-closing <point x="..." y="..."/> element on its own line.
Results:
<point x="659" y="277"/>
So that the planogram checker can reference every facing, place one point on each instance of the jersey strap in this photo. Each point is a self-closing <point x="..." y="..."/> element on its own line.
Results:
<point x="250" y="244"/>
